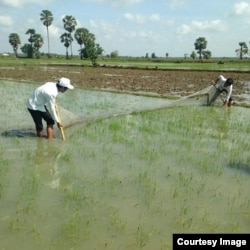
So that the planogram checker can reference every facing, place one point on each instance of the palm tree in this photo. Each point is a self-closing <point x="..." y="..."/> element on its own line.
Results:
<point x="46" y="17"/>
<point x="14" y="40"/>
<point x="67" y="39"/>
<point x="38" y="43"/>
<point x="200" y="45"/>
<point x="243" y="49"/>
<point x="83" y="37"/>
<point x="31" y="32"/>
<point x="70" y="25"/>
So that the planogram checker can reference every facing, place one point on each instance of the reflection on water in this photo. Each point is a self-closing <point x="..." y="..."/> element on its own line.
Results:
<point x="123" y="183"/>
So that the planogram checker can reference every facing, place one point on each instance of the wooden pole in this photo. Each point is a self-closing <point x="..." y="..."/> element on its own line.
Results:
<point x="61" y="128"/>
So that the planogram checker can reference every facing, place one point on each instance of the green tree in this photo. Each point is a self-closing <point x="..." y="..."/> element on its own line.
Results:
<point x="193" y="55"/>
<point x="70" y="25"/>
<point x="14" y="41"/>
<point x="83" y="37"/>
<point x="27" y="49"/>
<point x="200" y="44"/>
<point x="66" y="39"/>
<point x="38" y="43"/>
<point x="93" y="51"/>
<point x="47" y="18"/>
<point x="114" y="54"/>
<point x="243" y="50"/>
<point x="206" y="54"/>
<point x="31" y="33"/>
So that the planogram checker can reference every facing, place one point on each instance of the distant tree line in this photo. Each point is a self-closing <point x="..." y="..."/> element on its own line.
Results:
<point x="200" y="46"/>
<point x="88" y="47"/>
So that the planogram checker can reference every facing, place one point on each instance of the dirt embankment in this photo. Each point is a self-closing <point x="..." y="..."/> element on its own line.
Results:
<point x="162" y="82"/>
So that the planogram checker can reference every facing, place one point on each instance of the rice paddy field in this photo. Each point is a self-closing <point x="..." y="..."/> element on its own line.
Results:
<point x="128" y="176"/>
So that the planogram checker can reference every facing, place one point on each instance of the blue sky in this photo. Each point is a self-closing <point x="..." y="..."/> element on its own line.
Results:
<point x="134" y="27"/>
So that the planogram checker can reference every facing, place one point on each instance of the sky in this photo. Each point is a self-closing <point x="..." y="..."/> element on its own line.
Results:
<point x="134" y="27"/>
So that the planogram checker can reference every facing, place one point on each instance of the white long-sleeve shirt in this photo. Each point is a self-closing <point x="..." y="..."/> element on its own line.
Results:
<point x="221" y="82"/>
<point x="44" y="95"/>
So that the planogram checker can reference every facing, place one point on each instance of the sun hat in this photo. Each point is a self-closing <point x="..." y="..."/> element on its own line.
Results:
<point x="65" y="82"/>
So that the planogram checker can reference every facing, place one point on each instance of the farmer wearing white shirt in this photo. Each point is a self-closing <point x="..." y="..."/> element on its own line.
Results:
<point x="42" y="98"/>
<point x="223" y="85"/>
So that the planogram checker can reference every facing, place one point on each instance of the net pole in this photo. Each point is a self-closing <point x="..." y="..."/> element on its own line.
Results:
<point x="60" y="128"/>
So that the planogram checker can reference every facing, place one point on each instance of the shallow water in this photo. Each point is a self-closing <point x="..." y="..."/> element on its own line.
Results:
<point x="127" y="182"/>
<point x="86" y="104"/>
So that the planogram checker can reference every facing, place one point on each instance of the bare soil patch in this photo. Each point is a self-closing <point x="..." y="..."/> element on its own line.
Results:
<point x="157" y="81"/>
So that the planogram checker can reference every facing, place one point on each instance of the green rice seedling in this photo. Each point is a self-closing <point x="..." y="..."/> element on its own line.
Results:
<point x="142" y="237"/>
<point x="4" y="170"/>
<point x="235" y="227"/>
<point x="147" y="187"/>
<point x="71" y="231"/>
<point x="66" y="156"/>
<point x="29" y="186"/>
<point x="115" y="174"/>
<point x="116" y="221"/>
<point x="175" y="193"/>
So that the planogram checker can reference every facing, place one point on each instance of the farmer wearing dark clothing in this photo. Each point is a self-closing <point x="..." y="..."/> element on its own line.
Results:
<point x="223" y="85"/>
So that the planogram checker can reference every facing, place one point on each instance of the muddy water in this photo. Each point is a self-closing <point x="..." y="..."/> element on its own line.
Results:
<point x="123" y="183"/>
<point x="85" y="104"/>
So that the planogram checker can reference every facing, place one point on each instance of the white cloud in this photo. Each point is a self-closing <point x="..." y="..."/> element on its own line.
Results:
<point x="242" y="8"/>
<point x="5" y="21"/>
<point x="117" y="3"/>
<point x="93" y="23"/>
<point x="135" y="18"/>
<point x="140" y="19"/>
<point x="54" y="31"/>
<point x="125" y="2"/>
<point x="13" y="3"/>
<point x="155" y="17"/>
<point x="175" y="4"/>
<point x="21" y="3"/>
<point x="93" y="1"/>
<point x="103" y="29"/>
<point x="184" y="30"/>
<point x="213" y="25"/>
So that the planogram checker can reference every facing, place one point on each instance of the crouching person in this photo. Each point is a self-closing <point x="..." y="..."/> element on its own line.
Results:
<point x="42" y="100"/>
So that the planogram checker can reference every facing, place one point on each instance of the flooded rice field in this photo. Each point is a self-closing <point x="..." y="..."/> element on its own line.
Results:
<point x="126" y="177"/>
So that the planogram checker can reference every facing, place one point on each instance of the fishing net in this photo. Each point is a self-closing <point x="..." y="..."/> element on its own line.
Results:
<point x="15" y="119"/>
<point x="19" y="122"/>
<point x="205" y="97"/>
<point x="26" y="126"/>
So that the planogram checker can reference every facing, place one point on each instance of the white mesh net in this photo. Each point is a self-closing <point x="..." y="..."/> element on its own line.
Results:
<point x="25" y="126"/>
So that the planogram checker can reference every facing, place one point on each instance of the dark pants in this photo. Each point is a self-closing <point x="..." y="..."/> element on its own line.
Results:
<point x="218" y="92"/>
<point x="38" y="116"/>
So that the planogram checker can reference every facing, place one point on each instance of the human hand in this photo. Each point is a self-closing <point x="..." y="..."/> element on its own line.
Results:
<point x="59" y="125"/>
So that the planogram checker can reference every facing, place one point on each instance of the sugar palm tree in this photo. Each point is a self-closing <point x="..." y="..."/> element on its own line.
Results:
<point x="47" y="18"/>
<point x="38" y="43"/>
<point x="66" y="39"/>
<point x="83" y="37"/>
<point x="69" y="25"/>
<point x="14" y="40"/>
<point x="31" y="33"/>
<point x="200" y="45"/>
<point x="243" y="49"/>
